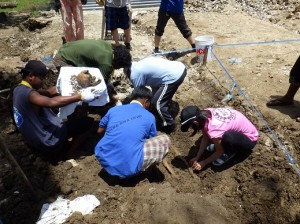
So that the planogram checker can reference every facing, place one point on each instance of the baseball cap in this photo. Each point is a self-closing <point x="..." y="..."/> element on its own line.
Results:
<point x="35" y="67"/>
<point x="188" y="115"/>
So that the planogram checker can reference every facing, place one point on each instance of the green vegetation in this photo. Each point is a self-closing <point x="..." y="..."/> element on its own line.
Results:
<point x="28" y="5"/>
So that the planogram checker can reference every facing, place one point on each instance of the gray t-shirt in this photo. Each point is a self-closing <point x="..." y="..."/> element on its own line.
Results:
<point x="116" y="3"/>
<point x="43" y="131"/>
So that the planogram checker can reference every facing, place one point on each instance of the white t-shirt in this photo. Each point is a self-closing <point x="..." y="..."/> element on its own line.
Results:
<point x="155" y="71"/>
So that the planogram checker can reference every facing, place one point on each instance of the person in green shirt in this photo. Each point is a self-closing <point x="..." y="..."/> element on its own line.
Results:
<point x="93" y="53"/>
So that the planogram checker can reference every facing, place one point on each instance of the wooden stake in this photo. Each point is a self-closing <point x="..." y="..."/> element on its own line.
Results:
<point x="169" y="168"/>
<point x="16" y="166"/>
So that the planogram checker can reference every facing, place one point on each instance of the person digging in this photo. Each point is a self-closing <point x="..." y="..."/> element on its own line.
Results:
<point x="225" y="133"/>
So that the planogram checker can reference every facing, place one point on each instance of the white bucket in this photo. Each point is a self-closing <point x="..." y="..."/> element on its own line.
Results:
<point x="203" y="48"/>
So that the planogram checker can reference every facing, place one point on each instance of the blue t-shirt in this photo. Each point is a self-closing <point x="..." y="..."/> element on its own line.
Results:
<point x="43" y="131"/>
<point x="174" y="6"/>
<point x="121" y="150"/>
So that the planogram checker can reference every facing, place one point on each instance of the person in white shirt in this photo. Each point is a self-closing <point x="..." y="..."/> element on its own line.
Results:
<point x="164" y="77"/>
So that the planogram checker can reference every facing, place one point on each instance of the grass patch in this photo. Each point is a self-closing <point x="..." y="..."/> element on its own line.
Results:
<point x="28" y="5"/>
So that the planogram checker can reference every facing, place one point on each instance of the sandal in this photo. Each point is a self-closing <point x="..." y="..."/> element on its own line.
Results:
<point x="278" y="102"/>
<point x="223" y="159"/>
<point x="210" y="148"/>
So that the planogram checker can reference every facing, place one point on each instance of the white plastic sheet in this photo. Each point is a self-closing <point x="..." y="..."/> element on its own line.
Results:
<point x="65" y="88"/>
<point x="58" y="211"/>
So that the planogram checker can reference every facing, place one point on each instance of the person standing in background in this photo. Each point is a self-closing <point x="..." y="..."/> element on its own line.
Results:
<point x="72" y="9"/>
<point x="117" y="16"/>
<point x="172" y="9"/>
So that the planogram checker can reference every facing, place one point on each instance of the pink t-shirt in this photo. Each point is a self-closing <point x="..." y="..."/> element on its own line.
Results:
<point x="224" y="119"/>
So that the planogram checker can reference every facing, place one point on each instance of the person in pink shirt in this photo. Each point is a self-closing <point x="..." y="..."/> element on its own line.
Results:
<point x="72" y="9"/>
<point x="227" y="129"/>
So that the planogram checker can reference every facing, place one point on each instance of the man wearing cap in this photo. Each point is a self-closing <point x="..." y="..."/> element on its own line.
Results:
<point x="93" y="53"/>
<point x="229" y="131"/>
<point x="42" y="130"/>
<point x="164" y="77"/>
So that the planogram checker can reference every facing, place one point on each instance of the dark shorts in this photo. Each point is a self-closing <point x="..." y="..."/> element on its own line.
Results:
<point x="117" y="18"/>
<point x="295" y="73"/>
<point x="179" y="20"/>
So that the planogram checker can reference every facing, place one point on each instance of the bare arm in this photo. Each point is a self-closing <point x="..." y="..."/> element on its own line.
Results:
<point x="218" y="152"/>
<point x="203" y="144"/>
<point x="101" y="131"/>
<point x="48" y="92"/>
<point x="58" y="101"/>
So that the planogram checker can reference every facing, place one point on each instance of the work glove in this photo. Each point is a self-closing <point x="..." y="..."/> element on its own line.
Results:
<point x="97" y="93"/>
<point x="87" y="95"/>
<point x="58" y="86"/>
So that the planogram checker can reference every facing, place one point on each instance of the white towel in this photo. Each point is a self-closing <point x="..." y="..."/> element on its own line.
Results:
<point x="64" y="87"/>
<point x="57" y="212"/>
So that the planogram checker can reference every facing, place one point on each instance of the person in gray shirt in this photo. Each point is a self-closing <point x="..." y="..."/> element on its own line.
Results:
<point x="164" y="77"/>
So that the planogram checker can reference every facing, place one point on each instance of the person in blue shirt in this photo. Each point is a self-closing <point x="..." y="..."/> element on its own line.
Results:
<point x="172" y="9"/>
<point x="42" y="130"/>
<point x="130" y="143"/>
<point x="164" y="77"/>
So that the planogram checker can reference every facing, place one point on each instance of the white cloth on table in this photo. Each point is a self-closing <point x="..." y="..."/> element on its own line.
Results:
<point x="64" y="87"/>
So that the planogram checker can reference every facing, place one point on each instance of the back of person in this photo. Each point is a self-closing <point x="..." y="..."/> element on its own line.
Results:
<point x="120" y="151"/>
<point x="155" y="71"/>
<point x="224" y="119"/>
<point x="42" y="131"/>
<point x="88" y="53"/>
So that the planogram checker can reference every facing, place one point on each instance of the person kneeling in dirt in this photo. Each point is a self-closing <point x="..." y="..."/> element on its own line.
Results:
<point x="288" y="98"/>
<point x="130" y="144"/>
<point x="93" y="53"/>
<point x="42" y="130"/>
<point x="229" y="131"/>
<point x="164" y="77"/>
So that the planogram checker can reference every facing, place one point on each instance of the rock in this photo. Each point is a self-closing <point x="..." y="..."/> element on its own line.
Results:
<point x="297" y="8"/>
<point x="3" y="17"/>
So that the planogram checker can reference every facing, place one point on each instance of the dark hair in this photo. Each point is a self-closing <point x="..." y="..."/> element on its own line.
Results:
<point x="141" y="92"/>
<point x="24" y="73"/>
<point x="202" y="117"/>
<point x="122" y="57"/>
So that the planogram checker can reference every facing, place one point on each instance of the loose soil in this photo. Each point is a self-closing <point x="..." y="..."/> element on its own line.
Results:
<point x="262" y="187"/>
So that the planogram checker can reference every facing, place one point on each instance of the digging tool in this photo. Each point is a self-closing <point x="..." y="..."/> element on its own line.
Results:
<point x="179" y="156"/>
<point x="16" y="167"/>
<point x="168" y="167"/>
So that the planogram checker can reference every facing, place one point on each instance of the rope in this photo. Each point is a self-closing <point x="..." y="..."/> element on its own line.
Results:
<point x="280" y="144"/>
<point x="189" y="50"/>
<point x="258" y="42"/>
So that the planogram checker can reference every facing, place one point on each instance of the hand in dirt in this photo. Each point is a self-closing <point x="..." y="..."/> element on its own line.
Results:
<point x="193" y="161"/>
<point x="195" y="164"/>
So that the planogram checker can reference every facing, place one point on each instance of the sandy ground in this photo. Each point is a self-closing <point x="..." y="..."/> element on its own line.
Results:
<point x="261" y="188"/>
